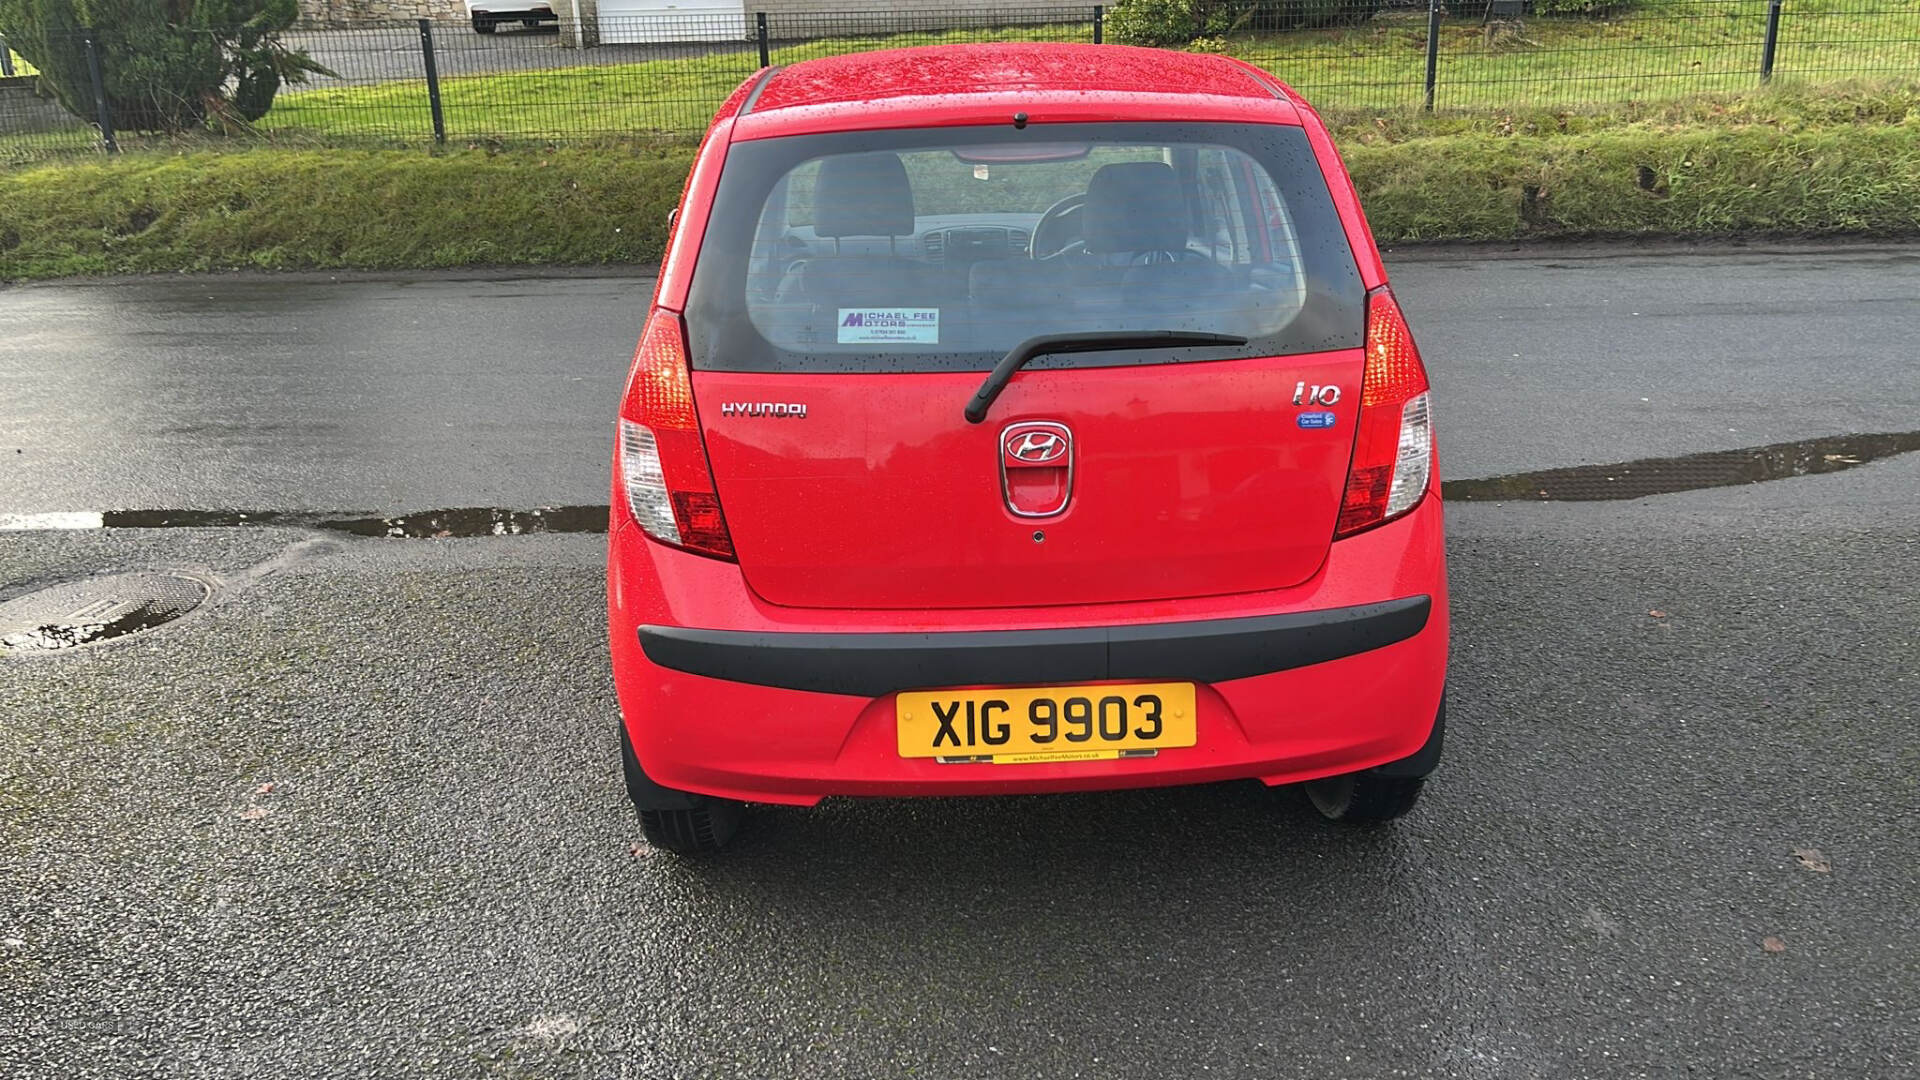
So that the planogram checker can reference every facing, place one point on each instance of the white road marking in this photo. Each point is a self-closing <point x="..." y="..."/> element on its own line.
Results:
<point x="60" y="519"/>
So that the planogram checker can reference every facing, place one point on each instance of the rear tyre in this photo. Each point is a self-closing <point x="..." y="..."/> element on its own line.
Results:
<point x="1364" y="798"/>
<point x="703" y="830"/>
<point x="482" y="26"/>
<point x="1372" y="796"/>
<point x="674" y="820"/>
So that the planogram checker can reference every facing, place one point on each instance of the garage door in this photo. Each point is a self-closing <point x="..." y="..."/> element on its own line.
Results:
<point x="625" y="22"/>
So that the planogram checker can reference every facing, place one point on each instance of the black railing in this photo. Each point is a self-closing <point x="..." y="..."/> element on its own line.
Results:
<point x="662" y="76"/>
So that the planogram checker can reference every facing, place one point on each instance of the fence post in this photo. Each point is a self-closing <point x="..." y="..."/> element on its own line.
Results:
<point x="1433" y="49"/>
<point x="1099" y="23"/>
<point x="760" y="30"/>
<point x="6" y="60"/>
<point x="102" y="112"/>
<point x="1773" y="41"/>
<point x="433" y="81"/>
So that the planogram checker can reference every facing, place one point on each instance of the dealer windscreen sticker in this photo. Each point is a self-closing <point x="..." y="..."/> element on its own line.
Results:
<point x="866" y="326"/>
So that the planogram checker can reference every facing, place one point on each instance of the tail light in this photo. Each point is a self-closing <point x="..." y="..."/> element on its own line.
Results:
<point x="1393" y="449"/>
<point x="662" y="462"/>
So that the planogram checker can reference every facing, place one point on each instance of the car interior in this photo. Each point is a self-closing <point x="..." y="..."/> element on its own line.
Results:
<point x="1195" y="239"/>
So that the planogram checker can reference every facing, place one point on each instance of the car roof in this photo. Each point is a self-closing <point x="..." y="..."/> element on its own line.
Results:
<point x="1050" y="81"/>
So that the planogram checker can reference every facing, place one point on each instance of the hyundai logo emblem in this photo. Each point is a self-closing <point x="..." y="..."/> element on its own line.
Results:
<point x="1037" y="447"/>
<point x="1036" y="467"/>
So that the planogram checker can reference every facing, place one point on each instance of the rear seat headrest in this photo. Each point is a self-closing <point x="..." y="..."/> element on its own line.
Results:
<point x="862" y="195"/>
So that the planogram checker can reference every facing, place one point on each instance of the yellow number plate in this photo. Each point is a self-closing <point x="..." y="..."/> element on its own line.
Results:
<point x="1066" y="723"/>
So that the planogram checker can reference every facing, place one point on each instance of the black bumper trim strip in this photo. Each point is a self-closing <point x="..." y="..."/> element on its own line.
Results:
<point x="873" y="665"/>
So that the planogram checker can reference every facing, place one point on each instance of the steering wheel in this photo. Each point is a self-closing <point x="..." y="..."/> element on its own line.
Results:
<point x="1056" y="233"/>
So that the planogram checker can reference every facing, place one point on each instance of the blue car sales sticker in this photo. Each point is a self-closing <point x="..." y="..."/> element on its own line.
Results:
<point x="890" y="326"/>
<point x="1315" y="419"/>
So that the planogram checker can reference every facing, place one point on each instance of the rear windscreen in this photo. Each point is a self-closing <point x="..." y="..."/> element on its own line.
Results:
<point x="941" y="249"/>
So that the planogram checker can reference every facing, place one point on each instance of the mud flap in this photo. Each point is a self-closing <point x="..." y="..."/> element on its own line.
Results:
<point x="646" y="794"/>
<point x="1424" y="760"/>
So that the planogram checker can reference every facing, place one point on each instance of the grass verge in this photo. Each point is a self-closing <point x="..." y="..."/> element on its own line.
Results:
<point x="1778" y="163"/>
<point x="1855" y="180"/>
<point x="293" y="209"/>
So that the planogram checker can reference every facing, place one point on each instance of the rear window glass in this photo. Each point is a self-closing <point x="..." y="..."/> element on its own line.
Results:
<point x="942" y="249"/>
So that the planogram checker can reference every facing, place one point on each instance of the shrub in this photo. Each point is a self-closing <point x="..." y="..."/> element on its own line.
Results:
<point x="1176" y="23"/>
<point x="1166" y="23"/>
<point x="1580" y="7"/>
<point x="167" y="65"/>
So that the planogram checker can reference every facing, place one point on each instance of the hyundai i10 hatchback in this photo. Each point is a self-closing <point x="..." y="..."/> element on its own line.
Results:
<point x="1022" y="418"/>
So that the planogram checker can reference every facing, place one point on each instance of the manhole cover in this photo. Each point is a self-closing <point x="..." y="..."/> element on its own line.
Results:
<point x="82" y="612"/>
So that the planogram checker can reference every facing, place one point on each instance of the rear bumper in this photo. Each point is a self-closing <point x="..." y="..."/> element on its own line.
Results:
<point x="873" y="665"/>
<point x="1343" y="672"/>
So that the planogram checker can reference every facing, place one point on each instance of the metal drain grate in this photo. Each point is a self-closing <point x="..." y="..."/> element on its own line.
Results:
<point x="97" y="609"/>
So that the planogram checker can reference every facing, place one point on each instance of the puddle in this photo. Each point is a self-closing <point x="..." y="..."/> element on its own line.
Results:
<point x="477" y="521"/>
<point x="1660" y="476"/>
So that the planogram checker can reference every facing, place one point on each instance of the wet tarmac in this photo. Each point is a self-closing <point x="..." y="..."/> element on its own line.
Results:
<point x="364" y="818"/>
<point x="360" y="812"/>
<point x="396" y="394"/>
<point x="1690" y="472"/>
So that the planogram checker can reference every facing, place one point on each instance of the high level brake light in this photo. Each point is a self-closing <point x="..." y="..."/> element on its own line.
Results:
<point x="662" y="460"/>
<point x="1393" y="449"/>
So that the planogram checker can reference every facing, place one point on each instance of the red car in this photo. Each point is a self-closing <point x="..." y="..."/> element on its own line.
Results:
<point x="1022" y="418"/>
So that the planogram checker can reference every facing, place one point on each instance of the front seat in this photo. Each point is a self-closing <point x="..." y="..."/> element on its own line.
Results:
<point x="1134" y="225"/>
<point x="1134" y="214"/>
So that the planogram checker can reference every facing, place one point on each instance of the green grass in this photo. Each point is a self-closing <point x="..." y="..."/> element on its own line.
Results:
<point x="43" y="145"/>
<point x="1663" y="50"/>
<point x="1781" y="107"/>
<point x="1782" y="162"/>
<point x="674" y="96"/>
<point x="286" y="209"/>
<point x="1861" y="180"/>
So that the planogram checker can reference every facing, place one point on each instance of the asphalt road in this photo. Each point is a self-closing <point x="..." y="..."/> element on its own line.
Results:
<point x="443" y="880"/>
<point x="394" y="394"/>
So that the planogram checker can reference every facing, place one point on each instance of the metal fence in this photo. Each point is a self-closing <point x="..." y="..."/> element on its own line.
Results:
<point x="662" y="76"/>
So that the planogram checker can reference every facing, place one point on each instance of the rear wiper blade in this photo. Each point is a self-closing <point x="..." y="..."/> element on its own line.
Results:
<point x="1097" y="341"/>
